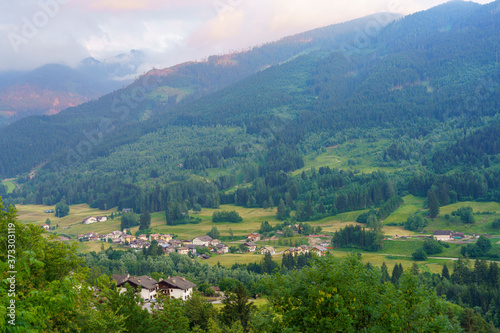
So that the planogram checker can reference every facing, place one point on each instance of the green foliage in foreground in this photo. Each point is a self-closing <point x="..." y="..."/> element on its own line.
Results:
<point x="343" y="295"/>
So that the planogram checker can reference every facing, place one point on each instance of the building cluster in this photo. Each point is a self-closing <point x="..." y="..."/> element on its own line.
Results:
<point x="303" y="249"/>
<point x="447" y="235"/>
<point x="92" y="219"/>
<point x="174" y="287"/>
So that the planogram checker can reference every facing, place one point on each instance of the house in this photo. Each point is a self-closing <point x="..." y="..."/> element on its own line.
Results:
<point x="214" y="242"/>
<point x="204" y="256"/>
<point x="267" y="249"/>
<point x="175" y="243"/>
<point x="304" y="249"/>
<point x="101" y="219"/>
<point x="167" y="237"/>
<point x="319" y="250"/>
<point x="143" y="237"/>
<point x="144" y="284"/>
<point x="127" y="238"/>
<point x="139" y="244"/>
<point x="183" y="250"/>
<point x="176" y="287"/>
<point x="167" y="248"/>
<point x="127" y="210"/>
<point x="113" y="235"/>
<point x="202" y="241"/>
<point x="223" y="248"/>
<point x="45" y="226"/>
<point x="216" y="290"/>
<point x="251" y="246"/>
<point x="294" y="251"/>
<point x="253" y="237"/>
<point x="442" y="235"/>
<point x="192" y="248"/>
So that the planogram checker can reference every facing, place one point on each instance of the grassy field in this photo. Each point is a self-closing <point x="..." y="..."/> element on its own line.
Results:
<point x="70" y="224"/>
<point x="482" y="224"/>
<point x="252" y="218"/>
<point x="10" y="185"/>
<point x="356" y="155"/>
<point x="411" y="205"/>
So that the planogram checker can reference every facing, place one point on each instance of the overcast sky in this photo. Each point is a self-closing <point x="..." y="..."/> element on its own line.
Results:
<point x="37" y="32"/>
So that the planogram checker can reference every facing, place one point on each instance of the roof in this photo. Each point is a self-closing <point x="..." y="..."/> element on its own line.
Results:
<point x="143" y="281"/>
<point x="179" y="282"/>
<point x="120" y="278"/>
<point x="204" y="238"/>
<point x="250" y="244"/>
<point x="441" y="233"/>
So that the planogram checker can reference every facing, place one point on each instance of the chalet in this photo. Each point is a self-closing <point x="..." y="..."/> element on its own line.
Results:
<point x="319" y="250"/>
<point x="114" y="235"/>
<point x="253" y="237"/>
<point x="175" y="243"/>
<point x="176" y="287"/>
<point x="442" y="235"/>
<point x="251" y="246"/>
<point x="127" y="238"/>
<point x="304" y="249"/>
<point x="294" y="251"/>
<point x="143" y="237"/>
<point x="101" y="219"/>
<point x="267" y="249"/>
<point x="183" y="250"/>
<point x="45" y="226"/>
<point x="167" y="248"/>
<point x="139" y="244"/>
<point x="214" y="242"/>
<point x="202" y="241"/>
<point x="192" y="248"/>
<point x="223" y="248"/>
<point x="145" y="285"/>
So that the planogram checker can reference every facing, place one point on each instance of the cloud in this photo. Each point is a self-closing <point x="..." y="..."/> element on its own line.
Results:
<point x="36" y="32"/>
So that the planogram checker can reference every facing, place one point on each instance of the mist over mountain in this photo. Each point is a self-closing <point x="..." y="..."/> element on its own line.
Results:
<point x="51" y="88"/>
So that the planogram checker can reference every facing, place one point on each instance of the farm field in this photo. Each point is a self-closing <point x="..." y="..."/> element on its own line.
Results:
<point x="70" y="224"/>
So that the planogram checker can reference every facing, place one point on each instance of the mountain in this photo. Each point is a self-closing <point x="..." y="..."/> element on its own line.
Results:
<point x="190" y="133"/>
<point x="51" y="88"/>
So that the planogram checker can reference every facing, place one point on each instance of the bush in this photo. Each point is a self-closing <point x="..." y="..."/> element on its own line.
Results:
<point x="419" y="255"/>
<point x="465" y="213"/>
<point x="415" y="222"/>
<point x="225" y="216"/>
<point x="432" y="246"/>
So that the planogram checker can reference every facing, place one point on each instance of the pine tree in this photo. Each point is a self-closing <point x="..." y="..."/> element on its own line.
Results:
<point x="445" y="273"/>
<point x="433" y="203"/>
<point x="385" y="273"/>
<point x="145" y="221"/>
<point x="397" y="271"/>
<point x="281" y="214"/>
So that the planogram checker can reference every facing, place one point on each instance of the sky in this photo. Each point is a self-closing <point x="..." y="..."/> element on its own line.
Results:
<point x="36" y="32"/>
